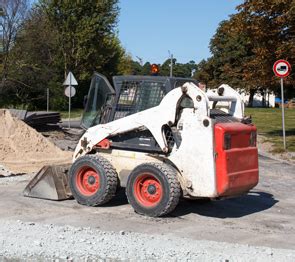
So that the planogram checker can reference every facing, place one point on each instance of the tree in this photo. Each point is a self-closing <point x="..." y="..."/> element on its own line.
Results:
<point x="33" y="59"/>
<point x="13" y="13"/>
<point x="270" y="26"/>
<point x="165" y="67"/>
<point x="87" y="38"/>
<point x="184" y="70"/>
<point x="179" y="69"/>
<point x="85" y="33"/>
<point x="245" y="47"/>
<point x="146" y="69"/>
<point x="205" y="72"/>
<point x="59" y="36"/>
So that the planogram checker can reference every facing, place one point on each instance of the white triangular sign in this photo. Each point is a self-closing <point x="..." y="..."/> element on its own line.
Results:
<point x="71" y="80"/>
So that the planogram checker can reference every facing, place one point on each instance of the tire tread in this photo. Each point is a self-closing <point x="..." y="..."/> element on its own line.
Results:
<point x="174" y="189"/>
<point x="111" y="180"/>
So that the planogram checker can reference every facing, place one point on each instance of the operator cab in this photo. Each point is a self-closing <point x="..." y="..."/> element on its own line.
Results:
<point x="128" y="95"/>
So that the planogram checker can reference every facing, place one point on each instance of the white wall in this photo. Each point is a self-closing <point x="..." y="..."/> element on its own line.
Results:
<point x="258" y="98"/>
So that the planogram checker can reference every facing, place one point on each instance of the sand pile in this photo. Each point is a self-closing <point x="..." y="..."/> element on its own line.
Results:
<point x="23" y="149"/>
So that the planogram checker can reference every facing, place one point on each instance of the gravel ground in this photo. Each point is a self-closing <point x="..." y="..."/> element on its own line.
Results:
<point x="12" y="179"/>
<point x="266" y="149"/>
<point x="66" y="243"/>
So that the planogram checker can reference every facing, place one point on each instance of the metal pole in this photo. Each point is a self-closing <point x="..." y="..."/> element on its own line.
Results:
<point x="171" y="65"/>
<point x="47" y="99"/>
<point x="283" y="112"/>
<point x="70" y="100"/>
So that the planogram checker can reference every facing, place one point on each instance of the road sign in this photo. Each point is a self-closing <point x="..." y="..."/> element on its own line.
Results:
<point x="281" y="68"/>
<point x="71" y="80"/>
<point x="70" y="91"/>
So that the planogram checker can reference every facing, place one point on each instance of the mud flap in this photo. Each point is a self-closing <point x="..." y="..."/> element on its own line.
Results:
<point x="51" y="182"/>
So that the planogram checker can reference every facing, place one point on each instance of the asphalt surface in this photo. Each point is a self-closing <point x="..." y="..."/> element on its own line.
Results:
<point x="264" y="217"/>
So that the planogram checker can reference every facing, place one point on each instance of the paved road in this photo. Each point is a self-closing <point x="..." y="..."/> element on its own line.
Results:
<point x="264" y="217"/>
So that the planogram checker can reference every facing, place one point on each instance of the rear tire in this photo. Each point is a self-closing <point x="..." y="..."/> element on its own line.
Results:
<point x="153" y="189"/>
<point x="93" y="180"/>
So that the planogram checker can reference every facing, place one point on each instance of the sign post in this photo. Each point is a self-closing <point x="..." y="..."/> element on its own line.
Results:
<point x="282" y="69"/>
<point x="70" y="91"/>
<point x="47" y="99"/>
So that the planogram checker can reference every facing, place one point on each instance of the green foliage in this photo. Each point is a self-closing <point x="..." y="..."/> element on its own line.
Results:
<point x="62" y="36"/>
<point x="205" y="72"/>
<point x="11" y="19"/>
<point x="32" y="62"/>
<point x="86" y="37"/>
<point x="245" y="47"/>
<point x="179" y="69"/>
<point x="85" y="31"/>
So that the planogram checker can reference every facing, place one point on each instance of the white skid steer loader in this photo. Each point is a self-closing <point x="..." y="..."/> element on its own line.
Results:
<point x="182" y="147"/>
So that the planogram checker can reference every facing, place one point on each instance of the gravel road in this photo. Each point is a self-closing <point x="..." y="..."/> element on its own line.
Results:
<point x="65" y="243"/>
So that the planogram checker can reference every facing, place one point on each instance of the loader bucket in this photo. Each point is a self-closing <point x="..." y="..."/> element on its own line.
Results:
<point x="51" y="182"/>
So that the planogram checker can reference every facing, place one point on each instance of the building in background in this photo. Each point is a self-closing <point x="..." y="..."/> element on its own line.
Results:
<point x="260" y="99"/>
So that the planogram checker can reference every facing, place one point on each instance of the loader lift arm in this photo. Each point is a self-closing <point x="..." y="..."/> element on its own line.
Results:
<point x="165" y="112"/>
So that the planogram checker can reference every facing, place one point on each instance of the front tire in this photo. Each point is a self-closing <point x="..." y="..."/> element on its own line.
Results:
<point x="93" y="180"/>
<point x="153" y="189"/>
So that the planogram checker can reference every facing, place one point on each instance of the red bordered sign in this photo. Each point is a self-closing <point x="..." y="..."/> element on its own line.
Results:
<point x="281" y="68"/>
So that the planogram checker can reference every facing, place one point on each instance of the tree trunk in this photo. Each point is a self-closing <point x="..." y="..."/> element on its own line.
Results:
<point x="263" y="98"/>
<point x="252" y="93"/>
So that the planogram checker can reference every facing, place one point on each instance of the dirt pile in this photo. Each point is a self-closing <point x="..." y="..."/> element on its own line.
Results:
<point x="23" y="149"/>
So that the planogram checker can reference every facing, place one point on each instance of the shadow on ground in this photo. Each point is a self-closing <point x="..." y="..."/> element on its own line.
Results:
<point x="119" y="200"/>
<point x="253" y="202"/>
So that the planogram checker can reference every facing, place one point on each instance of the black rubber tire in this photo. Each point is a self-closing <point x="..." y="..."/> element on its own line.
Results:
<point x="107" y="175"/>
<point x="167" y="176"/>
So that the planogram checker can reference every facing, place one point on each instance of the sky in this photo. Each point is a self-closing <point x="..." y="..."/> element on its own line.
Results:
<point x="149" y="29"/>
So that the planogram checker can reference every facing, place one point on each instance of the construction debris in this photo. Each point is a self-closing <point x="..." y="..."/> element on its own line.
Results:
<point x="23" y="149"/>
<point x="36" y="118"/>
<point x="4" y="171"/>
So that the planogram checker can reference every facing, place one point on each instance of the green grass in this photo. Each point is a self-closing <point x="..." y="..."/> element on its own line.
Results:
<point x="75" y="113"/>
<point x="269" y="124"/>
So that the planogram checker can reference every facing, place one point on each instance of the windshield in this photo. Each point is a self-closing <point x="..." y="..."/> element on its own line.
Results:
<point x="136" y="96"/>
<point x="99" y="96"/>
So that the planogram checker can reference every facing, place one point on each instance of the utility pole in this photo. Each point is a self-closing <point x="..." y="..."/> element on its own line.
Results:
<point x="171" y="63"/>
<point x="47" y="99"/>
<point x="193" y="72"/>
<point x="140" y="60"/>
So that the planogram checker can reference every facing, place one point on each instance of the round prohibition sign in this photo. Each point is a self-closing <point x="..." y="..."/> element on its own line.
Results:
<point x="281" y="68"/>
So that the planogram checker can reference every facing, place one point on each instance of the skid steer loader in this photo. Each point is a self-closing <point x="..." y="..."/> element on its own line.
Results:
<point x="161" y="139"/>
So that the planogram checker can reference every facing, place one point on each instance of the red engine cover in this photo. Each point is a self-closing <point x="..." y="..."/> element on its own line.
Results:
<point x="237" y="166"/>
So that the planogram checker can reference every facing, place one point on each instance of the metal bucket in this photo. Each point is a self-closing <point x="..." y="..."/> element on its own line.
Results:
<point x="51" y="182"/>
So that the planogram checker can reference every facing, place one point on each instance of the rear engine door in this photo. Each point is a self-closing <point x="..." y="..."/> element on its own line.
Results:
<point x="236" y="158"/>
